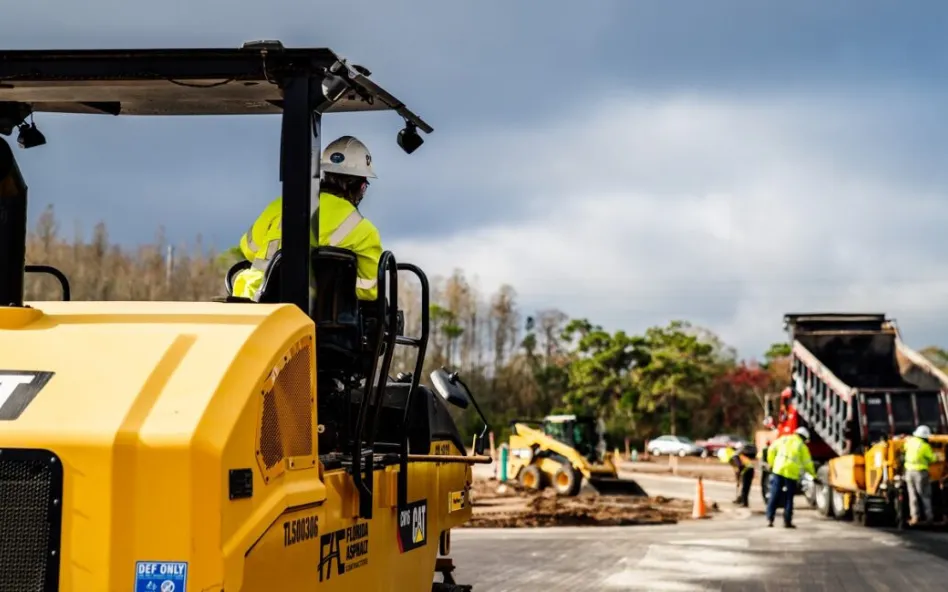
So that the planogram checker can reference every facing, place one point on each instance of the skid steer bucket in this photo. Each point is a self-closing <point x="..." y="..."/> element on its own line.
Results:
<point x="616" y="486"/>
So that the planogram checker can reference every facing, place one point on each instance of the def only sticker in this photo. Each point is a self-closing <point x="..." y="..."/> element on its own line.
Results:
<point x="161" y="576"/>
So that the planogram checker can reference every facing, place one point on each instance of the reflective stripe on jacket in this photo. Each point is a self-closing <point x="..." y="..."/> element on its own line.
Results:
<point x="340" y="225"/>
<point x="252" y="239"/>
<point x="788" y="456"/>
<point x="918" y="454"/>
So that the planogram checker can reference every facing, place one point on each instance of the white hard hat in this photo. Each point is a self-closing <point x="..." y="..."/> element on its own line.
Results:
<point x="923" y="431"/>
<point x="347" y="156"/>
<point x="722" y="453"/>
<point x="803" y="433"/>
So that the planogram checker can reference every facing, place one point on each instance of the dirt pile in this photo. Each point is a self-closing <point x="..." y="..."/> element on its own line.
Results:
<point x="508" y="507"/>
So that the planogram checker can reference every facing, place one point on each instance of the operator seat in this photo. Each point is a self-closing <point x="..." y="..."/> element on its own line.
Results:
<point x="347" y="333"/>
<point x="339" y="342"/>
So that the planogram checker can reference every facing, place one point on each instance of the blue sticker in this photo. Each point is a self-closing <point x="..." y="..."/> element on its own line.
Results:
<point x="161" y="576"/>
<point x="337" y="157"/>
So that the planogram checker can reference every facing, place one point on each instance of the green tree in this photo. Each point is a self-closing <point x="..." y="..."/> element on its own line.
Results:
<point x="776" y="351"/>
<point x="937" y="356"/>
<point x="599" y="376"/>
<point x="680" y="369"/>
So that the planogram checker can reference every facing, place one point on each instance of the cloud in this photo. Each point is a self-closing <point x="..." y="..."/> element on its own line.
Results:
<point x="725" y="210"/>
<point x="632" y="163"/>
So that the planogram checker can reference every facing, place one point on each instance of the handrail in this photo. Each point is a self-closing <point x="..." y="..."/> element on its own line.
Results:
<point x="50" y="270"/>
<point x="374" y="387"/>
<point x="453" y="458"/>
<point x="421" y="344"/>
<point x="232" y="272"/>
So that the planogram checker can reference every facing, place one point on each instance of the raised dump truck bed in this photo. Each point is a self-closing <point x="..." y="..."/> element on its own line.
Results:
<point x="855" y="382"/>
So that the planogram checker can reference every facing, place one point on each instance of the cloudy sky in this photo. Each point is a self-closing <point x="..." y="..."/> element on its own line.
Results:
<point x="626" y="161"/>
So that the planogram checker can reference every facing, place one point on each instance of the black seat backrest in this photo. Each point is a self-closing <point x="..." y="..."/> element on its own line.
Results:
<point x="336" y="307"/>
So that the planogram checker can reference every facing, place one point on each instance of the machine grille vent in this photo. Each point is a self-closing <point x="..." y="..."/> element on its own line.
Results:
<point x="30" y="520"/>
<point x="286" y="426"/>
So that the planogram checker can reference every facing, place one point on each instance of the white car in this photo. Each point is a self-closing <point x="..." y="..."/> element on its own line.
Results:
<point x="677" y="445"/>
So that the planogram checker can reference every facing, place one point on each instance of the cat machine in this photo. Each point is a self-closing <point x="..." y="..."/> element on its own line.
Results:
<point x="561" y="451"/>
<point x="230" y="445"/>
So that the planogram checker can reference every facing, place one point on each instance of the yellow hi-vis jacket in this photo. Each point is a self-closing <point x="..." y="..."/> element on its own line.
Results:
<point x="918" y="454"/>
<point x="340" y="225"/>
<point x="788" y="456"/>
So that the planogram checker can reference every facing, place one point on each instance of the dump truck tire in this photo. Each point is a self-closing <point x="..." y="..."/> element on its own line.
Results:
<point x="838" y="504"/>
<point x="531" y="478"/>
<point x="901" y="511"/>
<point x="810" y="496"/>
<point x="567" y="481"/>
<point x="822" y="493"/>
<point x="765" y="485"/>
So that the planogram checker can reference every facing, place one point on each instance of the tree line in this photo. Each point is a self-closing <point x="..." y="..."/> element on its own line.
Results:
<point x="672" y="378"/>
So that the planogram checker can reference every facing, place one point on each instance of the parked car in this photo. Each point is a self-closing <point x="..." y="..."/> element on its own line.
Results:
<point x="715" y="443"/>
<point x="677" y="445"/>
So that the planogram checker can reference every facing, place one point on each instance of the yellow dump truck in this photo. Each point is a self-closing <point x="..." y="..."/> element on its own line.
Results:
<point x="562" y="450"/>
<point x="860" y="390"/>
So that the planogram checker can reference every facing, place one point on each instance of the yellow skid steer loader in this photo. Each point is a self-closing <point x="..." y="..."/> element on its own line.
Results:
<point x="562" y="450"/>
<point x="233" y="445"/>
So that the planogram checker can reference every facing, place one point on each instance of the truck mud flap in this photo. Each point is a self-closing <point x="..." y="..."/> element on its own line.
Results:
<point x="616" y="486"/>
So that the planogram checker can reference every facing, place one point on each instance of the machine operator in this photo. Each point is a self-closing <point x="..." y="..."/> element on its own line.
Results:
<point x="346" y="165"/>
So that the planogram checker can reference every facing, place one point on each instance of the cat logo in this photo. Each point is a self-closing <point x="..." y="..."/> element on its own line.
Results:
<point x="457" y="500"/>
<point x="18" y="389"/>
<point x="413" y="526"/>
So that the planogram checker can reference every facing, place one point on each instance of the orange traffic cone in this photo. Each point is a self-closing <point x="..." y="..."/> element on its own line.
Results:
<point x="700" y="509"/>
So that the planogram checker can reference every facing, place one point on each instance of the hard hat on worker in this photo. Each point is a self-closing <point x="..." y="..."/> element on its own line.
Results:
<point x="347" y="156"/>
<point x="923" y="431"/>
<point x="803" y="433"/>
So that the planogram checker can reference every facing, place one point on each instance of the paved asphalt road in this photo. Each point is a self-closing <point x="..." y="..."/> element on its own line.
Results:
<point x="733" y="551"/>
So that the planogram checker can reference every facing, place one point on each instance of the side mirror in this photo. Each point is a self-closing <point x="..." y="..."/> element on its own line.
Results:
<point x="453" y="390"/>
<point x="450" y="388"/>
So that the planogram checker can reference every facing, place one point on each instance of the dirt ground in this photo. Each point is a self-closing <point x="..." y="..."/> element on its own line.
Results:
<point x="497" y="506"/>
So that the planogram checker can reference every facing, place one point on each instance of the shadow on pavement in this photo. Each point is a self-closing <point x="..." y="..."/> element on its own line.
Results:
<point x="933" y="541"/>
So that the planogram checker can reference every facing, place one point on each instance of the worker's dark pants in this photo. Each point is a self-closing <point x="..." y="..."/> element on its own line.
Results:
<point x="776" y="484"/>
<point x="746" y="479"/>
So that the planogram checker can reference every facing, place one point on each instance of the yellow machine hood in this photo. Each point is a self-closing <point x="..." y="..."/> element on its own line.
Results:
<point x="143" y="406"/>
<point x="145" y="368"/>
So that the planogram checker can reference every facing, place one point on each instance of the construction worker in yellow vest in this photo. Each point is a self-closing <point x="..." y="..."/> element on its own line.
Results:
<point x="347" y="166"/>
<point x="743" y="471"/>
<point x="918" y="457"/>
<point x="788" y="457"/>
